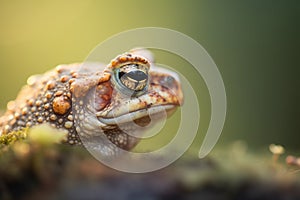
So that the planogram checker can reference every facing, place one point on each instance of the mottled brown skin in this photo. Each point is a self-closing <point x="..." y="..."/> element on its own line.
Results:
<point x="84" y="98"/>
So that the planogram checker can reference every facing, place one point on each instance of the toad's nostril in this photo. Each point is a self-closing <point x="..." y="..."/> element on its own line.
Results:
<point x="168" y="82"/>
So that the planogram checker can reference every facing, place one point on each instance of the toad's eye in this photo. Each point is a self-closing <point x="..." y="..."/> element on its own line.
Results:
<point x="130" y="73"/>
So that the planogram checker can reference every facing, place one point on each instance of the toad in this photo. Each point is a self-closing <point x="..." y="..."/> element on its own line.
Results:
<point x="93" y="99"/>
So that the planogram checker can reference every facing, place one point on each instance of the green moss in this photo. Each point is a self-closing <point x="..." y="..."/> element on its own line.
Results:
<point x="32" y="163"/>
<point x="42" y="134"/>
<point x="13" y="137"/>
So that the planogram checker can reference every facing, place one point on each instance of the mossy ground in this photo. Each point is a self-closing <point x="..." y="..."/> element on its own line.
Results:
<point x="34" y="166"/>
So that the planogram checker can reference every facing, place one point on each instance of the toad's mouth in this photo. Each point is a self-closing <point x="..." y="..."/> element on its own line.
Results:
<point x="138" y="114"/>
<point x="123" y="134"/>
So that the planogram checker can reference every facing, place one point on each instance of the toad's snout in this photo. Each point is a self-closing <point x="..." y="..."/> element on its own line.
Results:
<point x="168" y="82"/>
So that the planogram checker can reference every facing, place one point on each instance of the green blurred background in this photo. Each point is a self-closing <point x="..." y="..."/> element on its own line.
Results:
<point x="254" y="44"/>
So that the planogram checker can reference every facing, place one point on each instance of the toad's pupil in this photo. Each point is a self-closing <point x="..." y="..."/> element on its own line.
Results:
<point x="137" y="75"/>
<point x="134" y="80"/>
